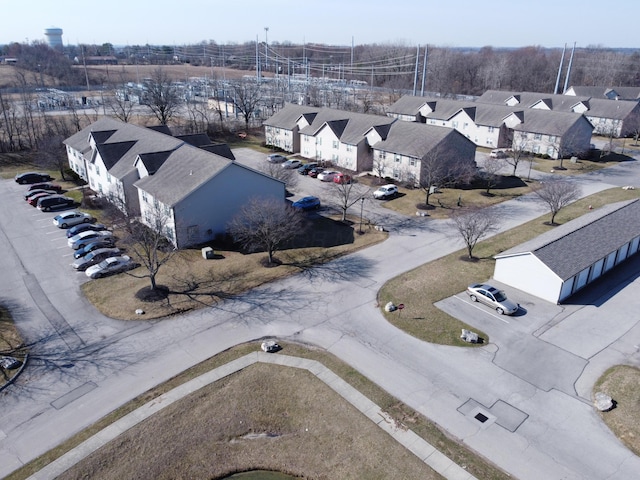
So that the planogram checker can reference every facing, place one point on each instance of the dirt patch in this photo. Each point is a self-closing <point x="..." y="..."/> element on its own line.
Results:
<point x="211" y="433"/>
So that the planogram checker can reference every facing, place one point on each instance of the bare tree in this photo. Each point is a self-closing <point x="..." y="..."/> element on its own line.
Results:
<point x="380" y="165"/>
<point x="346" y="194"/>
<point x="246" y="97"/>
<point x="557" y="194"/>
<point x="474" y="223"/>
<point x="287" y="175"/>
<point x="491" y="168"/>
<point x="52" y="153"/>
<point x="148" y="241"/>
<point x="119" y="103"/>
<point x="440" y="167"/>
<point x="161" y="96"/>
<point x="517" y="152"/>
<point x="265" y="224"/>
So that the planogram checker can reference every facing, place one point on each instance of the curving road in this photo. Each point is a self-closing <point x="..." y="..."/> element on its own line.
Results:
<point x="532" y="383"/>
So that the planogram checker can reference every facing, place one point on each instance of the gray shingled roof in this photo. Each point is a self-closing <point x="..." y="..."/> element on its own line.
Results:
<point x="289" y="115"/>
<point x="350" y="127"/>
<point x="407" y="105"/>
<point x="186" y="169"/>
<point x="616" y="109"/>
<point x="559" y="103"/>
<point x="549" y="123"/>
<point x="414" y="139"/>
<point x="572" y="247"/>
<point x="625" y="93"/>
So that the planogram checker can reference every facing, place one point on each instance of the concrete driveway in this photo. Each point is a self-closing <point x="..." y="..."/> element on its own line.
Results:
<point x="536" y="426"/>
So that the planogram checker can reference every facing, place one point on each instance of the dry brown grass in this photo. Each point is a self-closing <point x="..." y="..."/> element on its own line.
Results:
<point x="197" y="283"/>
<point x="419" y="289"/>
<point x="622" y="384"/>
<point x="275" y="401"/>
<point x="448" y="200"/>
<point x="302" y="426"/>
<point x="580" y="166"/>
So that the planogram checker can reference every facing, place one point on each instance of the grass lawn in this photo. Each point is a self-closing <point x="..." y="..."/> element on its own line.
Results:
<point x="9" y="340"/>
<point x="447" y="200"/>
<point x="580" y="166"/>
<point x="622" y="384"/>
<point x="195" y="283"/>
<point x="315" y="432"/>
<point x="420" y="288"/>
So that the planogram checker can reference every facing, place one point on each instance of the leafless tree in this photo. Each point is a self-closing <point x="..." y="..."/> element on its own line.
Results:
<point x="287" y="175"/>
<point x="198" y="116"/>
<point x="491" y="168"/>
<point x="147" y="240"/>
<point x="265" y="224"/>
<point x="347" y="194"/>
<point x="247" y="96"/>
<point x="380" y="165"/>
<point x="474" y="223"/>
<point x="52" y="152"/>
<point x="517" y="152"/>
<point x="440" y="167"/>
<point x="161" y="96"/>
<point x="556" y="194"/>
<point x="119" y="103"/>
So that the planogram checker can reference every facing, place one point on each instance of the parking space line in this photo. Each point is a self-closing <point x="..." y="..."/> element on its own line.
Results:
<point x="479" y="306"/>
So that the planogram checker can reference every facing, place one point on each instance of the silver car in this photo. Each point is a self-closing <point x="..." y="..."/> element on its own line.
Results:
<point x="88" y="236"/>
<point x="496" y="299"/>
<point x="94" y="257"/>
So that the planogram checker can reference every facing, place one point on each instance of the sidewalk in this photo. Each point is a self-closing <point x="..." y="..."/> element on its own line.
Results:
<point x="416" y="445"/>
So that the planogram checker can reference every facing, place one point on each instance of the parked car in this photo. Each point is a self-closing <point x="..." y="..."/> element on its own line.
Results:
<point x="342" y="178"/>
<point x="110" y="266"/>
<point x="306" y="168"/>
<point x="498" y="153"/>
<point x="55" y="202"/>
<point x="83" y="238"/>
<point x="307" y="203"/>
<point x="32" y="193"/>
<point x="291" y="164"/>
<point x="106" y="242"/>
<point x="32" y="177"/>
<point x="45" y="186"/>
<point x="314" y="172"/>
<point x="496" y="299"/>
<point x="327" y="175"/>
<point x="83" y="227"/>
<point x="385" y="192"/>
<point x="94" y="257"/>
<point x="33" y="199"/>
<point x="276" y="158"/>
<point x="9" y="363"/>
<point x="69" y="219"/>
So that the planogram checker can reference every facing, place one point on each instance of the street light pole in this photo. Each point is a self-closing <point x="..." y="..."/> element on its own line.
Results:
<point x="361" y="208"/>
<point x="266" y="46"/>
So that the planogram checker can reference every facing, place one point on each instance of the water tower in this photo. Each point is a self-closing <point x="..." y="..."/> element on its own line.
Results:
<point x="54" y="38"/>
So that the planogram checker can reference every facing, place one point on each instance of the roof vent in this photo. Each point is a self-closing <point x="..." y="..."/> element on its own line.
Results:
<point x="190" y="172"/>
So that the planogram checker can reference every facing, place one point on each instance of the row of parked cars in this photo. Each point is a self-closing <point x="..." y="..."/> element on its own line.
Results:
<point x="94" y="247"/>
<point x="43" y="194"/>
<point x="312" y="169"/>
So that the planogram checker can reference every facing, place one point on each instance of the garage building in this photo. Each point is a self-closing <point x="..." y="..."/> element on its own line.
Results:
<point x="555" y="265"/>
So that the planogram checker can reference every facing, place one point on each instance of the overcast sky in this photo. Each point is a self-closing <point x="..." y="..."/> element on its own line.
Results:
<point x="461" y="23"/>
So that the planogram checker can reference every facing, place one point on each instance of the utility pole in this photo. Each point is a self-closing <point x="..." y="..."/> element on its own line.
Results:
<point x="555" y="90"/>
<point x="566" y="80"/>
<point x="266" y="48"/>
<point x="415" y="75"/>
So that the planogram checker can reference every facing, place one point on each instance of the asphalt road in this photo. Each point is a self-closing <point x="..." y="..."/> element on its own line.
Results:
<point x="532" y="383"/>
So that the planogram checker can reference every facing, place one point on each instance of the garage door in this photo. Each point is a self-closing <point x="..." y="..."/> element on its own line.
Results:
<point x="581" y="280"/>
<point x="622" y="253"/>
<point x="611" y="261"/>
<point x="596" y="269"/>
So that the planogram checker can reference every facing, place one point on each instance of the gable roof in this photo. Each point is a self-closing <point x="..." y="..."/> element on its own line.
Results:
<point x="607" y="93"/>
<point x="110" y="153"/>
<point x="416" y="139"/>
<point x="289" y="115"/>
<point x="153" y="161"/>
<point x="195" y="139"/>
<point x="349" y="127"/>
<point x="184" y="170"/>
<point x="407" y="105"/>
<point x="570" y="248"/>
<point x="549" y="123"/>
<point x="221" y="149"/>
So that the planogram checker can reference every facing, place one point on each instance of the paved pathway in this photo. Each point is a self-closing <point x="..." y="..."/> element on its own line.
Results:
<point x="412" y="442"/>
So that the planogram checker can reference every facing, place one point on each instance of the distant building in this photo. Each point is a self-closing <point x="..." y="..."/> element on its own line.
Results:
<point x="54" y="38"/>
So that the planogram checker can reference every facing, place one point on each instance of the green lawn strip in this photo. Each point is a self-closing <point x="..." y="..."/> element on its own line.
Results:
<point x="404" y="415"/>
<point x="420" y="288"/>
<point x="622" y="384"/>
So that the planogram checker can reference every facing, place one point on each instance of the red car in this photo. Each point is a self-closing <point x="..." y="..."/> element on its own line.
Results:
<point x="33" y="200"/>
<point x="315" y="171"/>
<point x="342" y="178"/>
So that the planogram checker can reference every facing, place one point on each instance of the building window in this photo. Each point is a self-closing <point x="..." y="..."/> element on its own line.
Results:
<point x="336" y="144"/>
<point x="412" y="162"/>
<point x="349" y="148"/>
<point x="454" y="124"/>
<point x="97" y="170"/>
<point x="396" y="173"/>
<point x="144" y="197"/>
<point x="491" y="129"/>
<point x="397" y="158"/>
<point x="536" y="149"/>
<point x="552" y="138"/>
<point x="465" y="125"/>
<point x="550" y="151"/>
<point x="537" y="136"/>
<point x="305" y="138"/>
<point x="334" y="157"/>
<point x="382" y="155"/>
<point x="319" y="141"/>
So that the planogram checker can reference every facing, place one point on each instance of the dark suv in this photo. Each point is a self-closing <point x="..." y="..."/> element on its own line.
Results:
<point x="306" y="168"/>
<point x="55" y="202"/>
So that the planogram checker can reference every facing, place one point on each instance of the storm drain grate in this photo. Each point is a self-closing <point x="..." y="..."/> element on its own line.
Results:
<point x="481" y="418"/>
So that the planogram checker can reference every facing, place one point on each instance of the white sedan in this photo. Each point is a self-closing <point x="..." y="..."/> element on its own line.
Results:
<point x="111" y="265"/>
<point x="291" y="164"/>
<point x="69" y="219"/>
<point x="327" y="175"/>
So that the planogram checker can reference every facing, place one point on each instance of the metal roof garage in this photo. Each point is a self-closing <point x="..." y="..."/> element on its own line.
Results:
<point x="558" y="263"/>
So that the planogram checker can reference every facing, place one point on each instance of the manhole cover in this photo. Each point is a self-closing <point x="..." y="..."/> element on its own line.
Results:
<point x="481" y="418"/>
